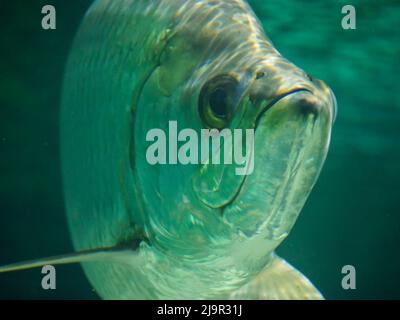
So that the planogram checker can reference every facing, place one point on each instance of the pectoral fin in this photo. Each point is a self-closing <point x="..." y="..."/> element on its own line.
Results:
<point x="102" y="254"/>
<point x="278" y="281"/>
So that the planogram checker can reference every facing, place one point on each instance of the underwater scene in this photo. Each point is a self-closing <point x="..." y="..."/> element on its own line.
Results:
<point x="109" y="111"/>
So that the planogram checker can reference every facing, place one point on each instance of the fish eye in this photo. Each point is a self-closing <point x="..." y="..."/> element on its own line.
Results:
<point x="217" y="101"/>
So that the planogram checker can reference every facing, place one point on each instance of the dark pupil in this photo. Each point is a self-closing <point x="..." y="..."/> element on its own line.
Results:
<point x="218" y="103"/>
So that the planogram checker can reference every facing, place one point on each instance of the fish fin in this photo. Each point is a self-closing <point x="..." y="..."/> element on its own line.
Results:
<point x="278" y="281"/>
<point x="100" y="254"/>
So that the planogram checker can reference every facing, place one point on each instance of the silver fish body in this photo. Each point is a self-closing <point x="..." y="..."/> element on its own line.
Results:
<point x="196" y="231"/>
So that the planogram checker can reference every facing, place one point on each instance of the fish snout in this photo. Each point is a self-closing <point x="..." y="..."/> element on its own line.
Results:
<point x="323" y="99"/>
<point x="313" y="99"/>
<point x="307" y="103"/>
<point x="298" y="92"/>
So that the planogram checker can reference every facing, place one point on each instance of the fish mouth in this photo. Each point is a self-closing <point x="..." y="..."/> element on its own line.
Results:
<point x="264" y="109"/>
<point x="275" y="102"/>
<point x="292" y="135"/>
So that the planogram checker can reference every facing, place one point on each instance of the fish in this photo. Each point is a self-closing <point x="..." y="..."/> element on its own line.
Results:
<point x="174" y="231"/>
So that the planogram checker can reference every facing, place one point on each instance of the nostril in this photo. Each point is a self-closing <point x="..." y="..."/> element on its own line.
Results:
<point x="259" y="75"/>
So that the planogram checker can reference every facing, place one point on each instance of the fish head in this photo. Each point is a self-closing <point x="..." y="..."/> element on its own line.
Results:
<point x="291" y="115"/>
<point x="228" y="216"/>
<point x="240" y="210"/>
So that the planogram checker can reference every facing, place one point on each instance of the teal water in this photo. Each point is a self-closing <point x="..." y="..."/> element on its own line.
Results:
<point x="352" y="216"/>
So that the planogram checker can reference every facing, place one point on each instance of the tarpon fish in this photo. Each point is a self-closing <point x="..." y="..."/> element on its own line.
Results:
<point x="145" y="231"/>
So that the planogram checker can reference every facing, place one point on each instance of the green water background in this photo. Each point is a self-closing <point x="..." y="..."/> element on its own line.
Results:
<point x="352" y="216"/>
